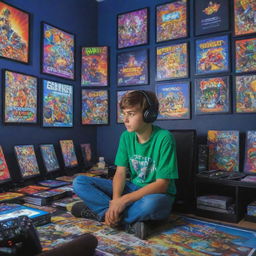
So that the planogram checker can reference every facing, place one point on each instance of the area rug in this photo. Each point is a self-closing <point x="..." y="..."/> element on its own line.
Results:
<point x="180" y="236"/>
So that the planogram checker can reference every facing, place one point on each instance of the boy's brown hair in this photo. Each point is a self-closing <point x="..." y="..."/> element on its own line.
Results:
<point x="134" y="98"/>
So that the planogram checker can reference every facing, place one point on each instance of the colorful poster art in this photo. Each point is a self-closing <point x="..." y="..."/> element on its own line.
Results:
<point x="174" y="100"/>
<point x="132" y="28"/>
<point x="212" y="55"/>
<point x="87" y="154"/>
<point x="172" y="62"/>
<point x="132" y="68"/>
<point x="20" y="98"/>
<point x="120" y="116"/>
<point x="4" y="171"/>
<point x="95" y="107"/>
<point x="68" y="153"/>
<point x="223" y="150"/>
<point x="250" y="152"/>
<point x="211" y="16"/>
<point x="57" y="104"/>
<point x="244" y="17"/>
<point x="212" y="95"/>
<point x="14" y="33"/>
<point x="246" y="94"/>
<point x="49" y="157"/>
<point x="94" y="66"/>
<point x="27" y="160"/>
<point x="246" y="55"/>
<point x="58" y="56"/>
<point x="171" y="21"/>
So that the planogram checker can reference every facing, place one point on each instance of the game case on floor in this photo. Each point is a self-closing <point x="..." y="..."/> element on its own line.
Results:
<point x="68" y="189"/>
<point x="217" y="201"/>
<point x="38" y="217"/>
<point x="53" y="183"/>
<point x="10" y="197"/>
<point x="230" y="209"/>
<point x="32" y="189"/>
<point x="66" y="178"/>
<point x="62" y="203"/>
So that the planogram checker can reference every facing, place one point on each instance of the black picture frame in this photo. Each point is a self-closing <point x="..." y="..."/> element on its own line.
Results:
<point x="138" y="30"/>
<point x="211" y="16"/>
<point x="4" y="169"/>
<point x="65" y="58"/>
<point x="68" y="156"/>
<point x="20" y="101"/>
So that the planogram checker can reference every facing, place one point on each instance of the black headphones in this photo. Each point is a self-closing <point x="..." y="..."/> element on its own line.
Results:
<point x="150" y="114"/>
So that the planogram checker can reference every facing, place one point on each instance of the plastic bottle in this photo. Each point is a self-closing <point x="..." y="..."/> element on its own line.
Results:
<point x="101" y="163"/>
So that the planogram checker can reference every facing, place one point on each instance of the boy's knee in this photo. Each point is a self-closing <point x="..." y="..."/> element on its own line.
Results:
<point x="79" y="180"/>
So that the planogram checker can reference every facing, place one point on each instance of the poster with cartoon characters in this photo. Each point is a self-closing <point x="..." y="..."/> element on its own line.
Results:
<point x="4" y="171"/>
<point x="250" y="152"/>
<point x="58" y="56"/>
<point x="212" y="55"/>
<point x="57" y="104"/>
<point x="49" y="157"/>
<point x="68" y="153"/>
<point x="95" y="107"/>
<point x="14" y="33"/>
<point x="20" y="98"/>
<point x="119" y="114"/>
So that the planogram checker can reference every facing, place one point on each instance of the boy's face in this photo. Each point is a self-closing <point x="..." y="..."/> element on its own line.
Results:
<point x="133" y="119"/>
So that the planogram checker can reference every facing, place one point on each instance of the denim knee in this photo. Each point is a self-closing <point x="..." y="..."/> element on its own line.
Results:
<point x="80" y="180"/>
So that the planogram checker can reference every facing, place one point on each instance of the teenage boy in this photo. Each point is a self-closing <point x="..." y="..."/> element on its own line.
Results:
<point x="149" y="153"/>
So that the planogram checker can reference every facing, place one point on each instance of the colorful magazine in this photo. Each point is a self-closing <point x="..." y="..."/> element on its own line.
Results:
<point x="250" y="152"/>
<point x="27" y="161"/>
<point x="31" y="189"/>
<point x="49" y="157"/>
<point x="53" y="183"/>
<point x="223" y="150"/>
<point x="4" y="171"/>
<point x="10" y="197"/>
<point x="68" y="153"/>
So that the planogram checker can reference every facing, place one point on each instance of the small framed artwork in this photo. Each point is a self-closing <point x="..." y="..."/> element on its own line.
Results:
<point x="95" y="107"/>
<point x="245" y="94"/>
<point x="15" y="26"/>
<point x="245" y="55"/>
<point x="212" y="95"/>
<point x="132" y="28"/>
<point x="4" y="171"/>
<point x="171" y="21"/>
<point x="27" y="161"/>
<point x="132" y="68"/>
<point x="172" y="62"/>
<point x="211" y="16"/>
<point x="119" y="96"/>
<point x="20" y="98"/>
<point x="57" y="104"/>
<point x="250" y="153"/>
<point x="49" y="157"/>
<point x="174" y="100"/>
<point x="58" y="52"/>
<point x="212" y="55"/>
<point x="87" y="154"/>
<point x="68" y="153"/>
<point x="244" y="13"/>
<point x="94" y="67"/>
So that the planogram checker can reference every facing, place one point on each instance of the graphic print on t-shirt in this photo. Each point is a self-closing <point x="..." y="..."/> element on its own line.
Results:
<point x="143" y="166"/>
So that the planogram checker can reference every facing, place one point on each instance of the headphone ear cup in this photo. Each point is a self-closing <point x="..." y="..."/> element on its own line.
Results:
<point x="150" y="115"/>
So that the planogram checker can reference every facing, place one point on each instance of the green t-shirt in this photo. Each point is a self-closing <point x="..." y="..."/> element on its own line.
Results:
<point x="154" y="159"/>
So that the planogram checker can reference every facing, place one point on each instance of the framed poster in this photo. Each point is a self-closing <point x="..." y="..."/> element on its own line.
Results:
<point x="250" y="153"/>
<point x="94" y="67"/>
<point x="87" y="154"/>
<point x="172" y="62"/>
<point x="95" y="107"/>
<point x="171" y="21"/>
<point x="4" y="171"/>
<point x="119" y="115"/>
<point x="212" y="95"/>
<point x="244" y="17"/>
<point x="20" y="98"/>
<point x="212" y="55"/>
<point x="223" y="150"/>
<point x="49" y="157"/>
<point x="132" y="28"/>
<point x="245" y="55"/>
<point x="57" y="104"/>
<point x="174" y="100"/>
<point x="132" y="68"/>
<point x="58" y="52"/>
<point x="14" y="36"/>
<point x="245" y="88"/>
<point x="27" y="161"/>
<point x="211" y="16"/>
<point x="68" y="153"/>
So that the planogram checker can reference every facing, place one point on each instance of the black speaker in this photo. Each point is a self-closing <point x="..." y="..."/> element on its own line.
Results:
<point x="203" y="153"/>
<point x="150" y="114"/>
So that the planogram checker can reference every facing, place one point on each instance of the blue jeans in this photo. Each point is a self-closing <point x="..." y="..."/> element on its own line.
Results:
<point x="97" y="192"/>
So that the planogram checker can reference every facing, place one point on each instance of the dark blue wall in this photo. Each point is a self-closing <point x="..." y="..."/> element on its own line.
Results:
<point x="80" y="18"/>
<point x="108" y="137"/>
